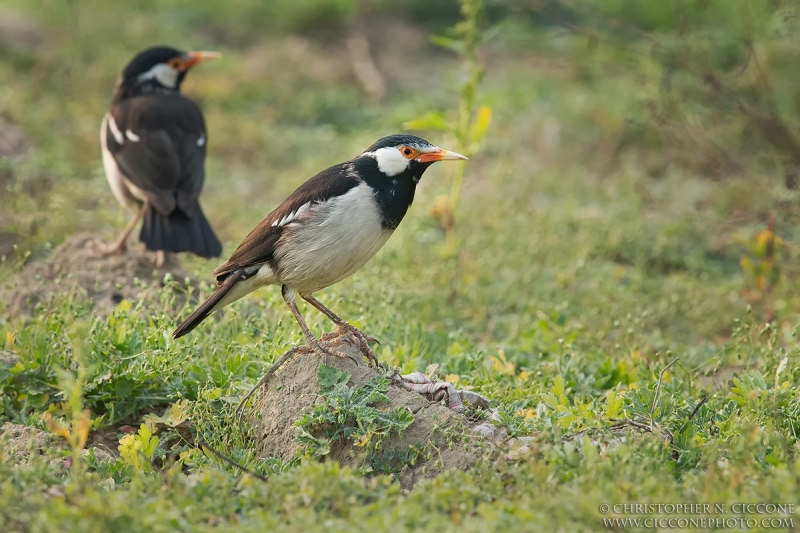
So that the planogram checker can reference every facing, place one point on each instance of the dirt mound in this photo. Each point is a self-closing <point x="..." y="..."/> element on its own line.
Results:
<point x="19" y="32"/>
<point x="77" y="264"/>
<point x="13" y="143"/>
<point x="21" y="442"/>
<point x="456" y="441"/>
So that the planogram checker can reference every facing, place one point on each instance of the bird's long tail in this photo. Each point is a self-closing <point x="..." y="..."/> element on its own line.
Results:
<point x="221" y="297"/>
<point x="179" y="233"/>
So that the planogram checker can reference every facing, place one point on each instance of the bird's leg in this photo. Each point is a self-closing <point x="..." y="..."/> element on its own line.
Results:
<point x="313" y="342"/>
<point x="361" y="338"/>
<point x="119" y="246"/>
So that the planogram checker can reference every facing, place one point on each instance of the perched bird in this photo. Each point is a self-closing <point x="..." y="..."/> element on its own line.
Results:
<point x="325" y="231"/>
<point x="154" y="150"/>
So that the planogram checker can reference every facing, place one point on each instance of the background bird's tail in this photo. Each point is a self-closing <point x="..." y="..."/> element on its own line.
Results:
<point x="179" y="233"/>
<point x="215" y="301"/>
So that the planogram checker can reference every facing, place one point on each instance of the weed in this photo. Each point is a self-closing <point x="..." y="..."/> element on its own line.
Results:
<point x="351" y="415"/>
<point x="139" y="450"/>
<point x="472" y="120"/>
<point x="76" y="429"/>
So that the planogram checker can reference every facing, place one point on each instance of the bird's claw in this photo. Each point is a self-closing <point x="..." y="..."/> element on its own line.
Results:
<point x="368" y="338"/>
<point x="357" y="337"/>
<point x="362" y="341"/>
<point x="323" y="350"/>
<point x="330" y="336"/>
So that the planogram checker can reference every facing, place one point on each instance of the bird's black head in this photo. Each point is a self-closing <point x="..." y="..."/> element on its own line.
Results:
<point x="406" y="156"/>
<point x="160" y="69"/>
<point x="392" y="167"/>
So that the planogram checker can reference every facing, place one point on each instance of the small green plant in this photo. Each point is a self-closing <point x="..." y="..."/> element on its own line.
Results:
<point x="472" y="119"/>
<point x="762" y="266"/>
<point x="138" y="450"/>
<point x="349" y="414"/>
<point x="79" y="421"/>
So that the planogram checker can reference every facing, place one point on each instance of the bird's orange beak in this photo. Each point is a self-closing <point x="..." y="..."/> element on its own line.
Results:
<point x="440" y="154"/>
<point x="199" y="57"/>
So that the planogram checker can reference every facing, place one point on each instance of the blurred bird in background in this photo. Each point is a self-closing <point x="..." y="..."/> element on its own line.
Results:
<point x="325" y="231"/>
<point x="154" y="148"/>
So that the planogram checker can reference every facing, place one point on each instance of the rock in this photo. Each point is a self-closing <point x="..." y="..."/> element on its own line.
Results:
<point x="8" y="359"/>
<point x="485" y="429"/>
<point x="100" y="454"/>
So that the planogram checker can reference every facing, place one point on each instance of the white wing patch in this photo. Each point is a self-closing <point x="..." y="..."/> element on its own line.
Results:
<point x="115" y="130"/>
<point x="202" y="140"/>
<point x="293" y="215"/>
<point x="132" y="136"/>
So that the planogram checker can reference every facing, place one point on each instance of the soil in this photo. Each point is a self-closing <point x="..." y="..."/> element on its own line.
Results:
<point x="720" y="378"/>
<point x="19" y="442"/>
<point x="78" y="265"/>
<point x="13" y="143"/>
<point x="293" y="391"/>
<point x="19" y="33"/>
<point x="7" y="239"/>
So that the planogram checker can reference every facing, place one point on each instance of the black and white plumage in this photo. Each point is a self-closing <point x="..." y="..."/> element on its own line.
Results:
<point x="154" y="148"/>
<point x="326" y="230"/>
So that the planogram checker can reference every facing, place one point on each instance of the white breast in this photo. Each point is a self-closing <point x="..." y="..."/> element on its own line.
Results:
<point x="330" y="241"/>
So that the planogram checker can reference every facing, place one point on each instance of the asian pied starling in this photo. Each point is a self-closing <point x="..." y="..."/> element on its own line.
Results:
<point x="154" y="150"/>
<point x="325" y="231"/>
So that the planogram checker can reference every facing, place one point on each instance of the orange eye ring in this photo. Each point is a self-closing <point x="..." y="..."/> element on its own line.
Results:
<point x="175" y="63"/>
<point x="409" y="152"/>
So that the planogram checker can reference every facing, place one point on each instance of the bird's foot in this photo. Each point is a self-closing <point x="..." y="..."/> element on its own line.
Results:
<point x="324" y="350"/>
<point x="161" y="258"/>
<point x="359" y="338"/>
<point x="346" y="329"/>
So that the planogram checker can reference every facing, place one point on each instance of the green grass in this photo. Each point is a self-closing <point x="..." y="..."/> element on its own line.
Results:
<point x="577" y="279"/>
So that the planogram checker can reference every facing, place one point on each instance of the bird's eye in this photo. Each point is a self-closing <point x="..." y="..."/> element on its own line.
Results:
<point x="175" y="63"/>
<point x="408" y="152"/>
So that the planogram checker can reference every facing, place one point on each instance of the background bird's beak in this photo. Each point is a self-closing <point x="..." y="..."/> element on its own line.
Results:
<point x="440" y="154"/>
<point x="198" y="57"/>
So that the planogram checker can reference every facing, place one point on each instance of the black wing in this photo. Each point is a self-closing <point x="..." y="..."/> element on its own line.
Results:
<point x="259" y="245"/>
<point x="159" y="144"/>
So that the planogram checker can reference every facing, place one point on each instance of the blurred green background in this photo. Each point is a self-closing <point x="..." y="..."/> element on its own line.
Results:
<point x="633" y="198"/>
<point x="669" y="132"/>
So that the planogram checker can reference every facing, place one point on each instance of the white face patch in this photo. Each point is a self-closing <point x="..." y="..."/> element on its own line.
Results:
<point x="163" y="73"/>
<point x="390" y="161"/>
